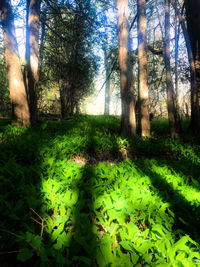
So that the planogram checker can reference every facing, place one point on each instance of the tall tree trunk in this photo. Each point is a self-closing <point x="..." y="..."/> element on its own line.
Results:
<point x="172" y="116"/>
<point x="107" y="69"/>
<point x="19" y="102"/>
<point x="42" y="40"/>
<point x="194" y="93"/>
<point x="128" y="122"/>
<point x="107" y="87"/>
<point x="177" y="35"/>
<point x="177" y="32"/>
<point x="32" y="55"/>
<point x="144" y="120"/>
<point x="193" y="27"/>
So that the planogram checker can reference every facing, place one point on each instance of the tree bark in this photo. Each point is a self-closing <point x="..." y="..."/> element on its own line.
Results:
<point x="107" y="69"/>
<point x="172" y="113"/>
<point x="193" y="27"/>
<point x="32" y="54"/>
<point x="42" y="40"/>
<point x="177" y="32"/>
<point x="19" y="102"/>
<point x="143" y="91"/>
<point x="177" y="35"/>
<point x="194" y="107"/>
<point x="128" y="122"/>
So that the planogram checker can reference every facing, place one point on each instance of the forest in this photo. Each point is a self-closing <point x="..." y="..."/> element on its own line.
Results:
<point x="100" y="133"/>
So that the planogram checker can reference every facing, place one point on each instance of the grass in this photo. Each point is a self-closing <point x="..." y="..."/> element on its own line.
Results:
<point x="77" y="194"/>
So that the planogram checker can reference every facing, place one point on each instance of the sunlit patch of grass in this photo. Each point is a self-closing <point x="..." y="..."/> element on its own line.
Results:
<point x="187" y="187"/>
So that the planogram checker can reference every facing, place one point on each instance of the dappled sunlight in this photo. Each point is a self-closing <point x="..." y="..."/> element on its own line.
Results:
<point x="34" y="62"/>
<point x="72" y="209"/>
<point x="186" y="186"/>
<point x="119" y="211"/>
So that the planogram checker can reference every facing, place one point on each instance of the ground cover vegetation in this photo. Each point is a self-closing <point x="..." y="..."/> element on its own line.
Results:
<point x="75" y="193"/>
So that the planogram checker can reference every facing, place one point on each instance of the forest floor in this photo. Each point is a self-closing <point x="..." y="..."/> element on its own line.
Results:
<point x="75" y="193"/>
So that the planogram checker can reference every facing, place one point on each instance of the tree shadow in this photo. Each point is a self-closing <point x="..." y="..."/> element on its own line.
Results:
<point x="187" y="215"/>
<point x="22" y="158"/>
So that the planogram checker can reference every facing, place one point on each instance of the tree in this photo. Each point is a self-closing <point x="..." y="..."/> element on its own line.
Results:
<point x="193" y="88"/>
<point x="32" y="54"/>
<point x="68" y="59"/>
<point x="107" y="85"/>
<point x="193" y="27"/>
<point x="172" y="112"/>
<point x="128" y="122"/>
<point x="20" y="109"/>
<point x="107" y="69"/>
<point x="144" y="120"/>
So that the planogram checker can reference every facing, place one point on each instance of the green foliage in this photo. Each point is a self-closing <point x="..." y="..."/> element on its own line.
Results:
<point x="4" y="91"/>
<point x="69" y="60"/>
<point x="134" y="212"/>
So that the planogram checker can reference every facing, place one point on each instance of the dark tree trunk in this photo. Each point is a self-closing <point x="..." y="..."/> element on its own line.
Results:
<point x="144" y="120"/>
<point x="19" y="102"/>
<point x="43" y="30"/>
<point x="62" y="99"/>
<point x="128" y="123"/>
<point x="193" y="27"/>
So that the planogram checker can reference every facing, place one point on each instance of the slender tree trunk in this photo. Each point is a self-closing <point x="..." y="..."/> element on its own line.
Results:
<point x="62" y="99"/>
<point x="177" y="35"/>
<point x="193" y="27"/>
<point x="174" y="130"/>
<point x="107" y="69"/>
<point x="144" y="120"/>
<point x="32" y="55"/>
<point x="43" y="29"/>
<point x="177" y="31"/>
<point x="20" y="108"/>
<point x="128" y="123"/>
<point x="107" y="88"/>
<point x="27" y="52"/>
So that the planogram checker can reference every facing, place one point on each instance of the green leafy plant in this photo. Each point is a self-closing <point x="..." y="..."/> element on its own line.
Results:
<point x="141" y="210"/>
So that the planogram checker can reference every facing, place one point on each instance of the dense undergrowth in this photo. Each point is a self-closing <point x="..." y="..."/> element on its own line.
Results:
<point x="77" y="194"/>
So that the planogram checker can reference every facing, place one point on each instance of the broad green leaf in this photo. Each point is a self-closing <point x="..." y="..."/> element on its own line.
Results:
<point x="145" y="246"/>
<point x="37" y="241"/>
<point x="132" y="230"/>
<point x="100" y="257"/>
<point x="29" y="236"/>
<point x="24" y="254"/>
<point x="134" y="257"/>
<point x="126" y="245"/>
<point x="107" y="253"/>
